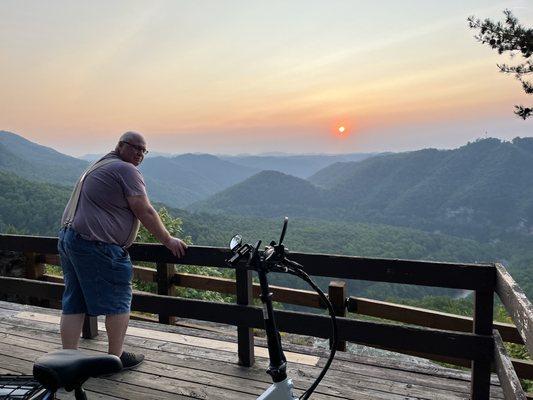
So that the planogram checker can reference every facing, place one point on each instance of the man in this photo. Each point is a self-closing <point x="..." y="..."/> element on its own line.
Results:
<point x="100" y="221"/>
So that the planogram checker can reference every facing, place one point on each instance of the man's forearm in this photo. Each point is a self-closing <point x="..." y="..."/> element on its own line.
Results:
<point x="150" y="219"/>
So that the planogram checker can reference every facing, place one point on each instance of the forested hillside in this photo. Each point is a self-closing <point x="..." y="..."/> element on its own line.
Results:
<point x="182" y="180"/>
<point x="266" y="194"/>
<point x="33" y="161"/>
<point x="30" y="207"/>
<point x="482" y="190"/>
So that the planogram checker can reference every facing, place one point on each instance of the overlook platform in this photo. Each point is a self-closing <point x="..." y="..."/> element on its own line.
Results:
<point x="197" y="360"/>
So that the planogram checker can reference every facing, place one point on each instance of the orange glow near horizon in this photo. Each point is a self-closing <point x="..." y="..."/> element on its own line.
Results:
<point x="202" y="83"/>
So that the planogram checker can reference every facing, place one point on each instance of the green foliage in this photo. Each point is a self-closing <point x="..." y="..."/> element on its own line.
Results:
<point x="29" y="207"/>
<point x="53" y="270"/>
<point x="511" y="37"/>
<point x="174" y="227"/>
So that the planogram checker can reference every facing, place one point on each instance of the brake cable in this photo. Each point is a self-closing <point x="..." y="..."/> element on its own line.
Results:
<point x="293" y="268"/>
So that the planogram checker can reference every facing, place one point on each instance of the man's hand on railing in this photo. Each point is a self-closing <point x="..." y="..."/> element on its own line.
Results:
<point x="176" y="246"/>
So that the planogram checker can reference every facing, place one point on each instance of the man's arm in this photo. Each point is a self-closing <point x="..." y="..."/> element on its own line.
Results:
<point x="141" y="207"/>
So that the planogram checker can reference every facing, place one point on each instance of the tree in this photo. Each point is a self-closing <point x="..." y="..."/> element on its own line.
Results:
<point x="174" y="227"/>
<point x="509" y="36"/>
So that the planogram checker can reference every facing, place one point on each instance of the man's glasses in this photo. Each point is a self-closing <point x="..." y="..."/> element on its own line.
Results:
<point x="136" y="147"/>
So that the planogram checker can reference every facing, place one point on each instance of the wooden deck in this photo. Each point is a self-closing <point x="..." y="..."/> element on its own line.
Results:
<point x="198" y="361"/>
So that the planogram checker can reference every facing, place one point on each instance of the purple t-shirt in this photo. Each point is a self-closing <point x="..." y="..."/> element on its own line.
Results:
<point x="103" y="212"/>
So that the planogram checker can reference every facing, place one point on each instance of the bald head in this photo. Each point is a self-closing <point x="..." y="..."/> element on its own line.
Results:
<point x="131" y="136"/>
<point x="131" y="147"/>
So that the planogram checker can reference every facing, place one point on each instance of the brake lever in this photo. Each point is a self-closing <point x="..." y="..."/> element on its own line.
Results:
<point x="239" y="253"/>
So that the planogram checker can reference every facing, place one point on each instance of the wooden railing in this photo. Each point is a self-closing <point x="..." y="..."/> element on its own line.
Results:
<point x="464" y="341"/>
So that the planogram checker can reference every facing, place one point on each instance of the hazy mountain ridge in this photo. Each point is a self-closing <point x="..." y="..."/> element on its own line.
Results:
<point x="175" y="181"/>
<point x="40" y="163"/>
<point x="301" y="166"/>
<point x="482" y="188"/>
<point x="189" y="177"/>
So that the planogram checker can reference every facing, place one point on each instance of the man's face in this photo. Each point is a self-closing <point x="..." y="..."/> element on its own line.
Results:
<point x="132" y="150"/>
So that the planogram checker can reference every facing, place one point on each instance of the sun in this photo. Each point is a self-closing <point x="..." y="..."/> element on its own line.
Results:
<point x="341" y="129"/>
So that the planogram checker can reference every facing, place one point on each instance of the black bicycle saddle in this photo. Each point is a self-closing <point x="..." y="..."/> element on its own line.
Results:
<point x="69" y="369"/>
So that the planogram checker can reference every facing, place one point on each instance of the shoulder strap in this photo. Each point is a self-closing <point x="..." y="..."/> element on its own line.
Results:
<point x="133" y="233"/>
<point x="72" y="205"/>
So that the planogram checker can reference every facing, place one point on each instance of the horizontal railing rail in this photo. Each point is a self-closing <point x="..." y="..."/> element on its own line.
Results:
<point x="467" y="346"/>
<point x="449" y="275"/>
<point x="357" y="305"/>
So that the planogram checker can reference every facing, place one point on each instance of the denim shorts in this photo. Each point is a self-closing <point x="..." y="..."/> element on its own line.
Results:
<point x="97" y="276"/>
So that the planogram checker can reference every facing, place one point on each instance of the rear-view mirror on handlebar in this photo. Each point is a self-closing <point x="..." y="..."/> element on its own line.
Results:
<point x="235" y="242"/>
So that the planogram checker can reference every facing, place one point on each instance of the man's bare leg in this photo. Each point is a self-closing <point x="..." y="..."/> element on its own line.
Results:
<point x="116" y="326"/>
<point x="70" y="327"/>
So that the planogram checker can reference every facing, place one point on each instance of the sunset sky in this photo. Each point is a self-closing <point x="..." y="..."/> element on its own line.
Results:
<point x="255" y="76"/>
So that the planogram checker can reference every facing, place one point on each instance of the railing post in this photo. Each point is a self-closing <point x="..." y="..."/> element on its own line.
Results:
<point x="34" y="269"/>
<point x="245" y="334"/>
<point x="165" y="273"/>
<point x="483" y="314"/>
<point x="337" y="297"/>
<point x="90" y="327"/>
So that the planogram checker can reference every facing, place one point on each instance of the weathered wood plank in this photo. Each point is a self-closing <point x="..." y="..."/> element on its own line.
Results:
<point x="10" y="309"/>
<point x="168" y="348"/>
<point x="190" y="363"/>
<point x="170" y="337"/>
<point x="170" y="366"/>
<point x="98" y="385"/>
<point x="167" y="386"/>
<point x="517" y="305"/>
<point x="144" y="274"/>
<point x="424" y="317"/>
<point x="196" y="383"/>
<point x="512" y="389"/>
<point x="63" y="395"/>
